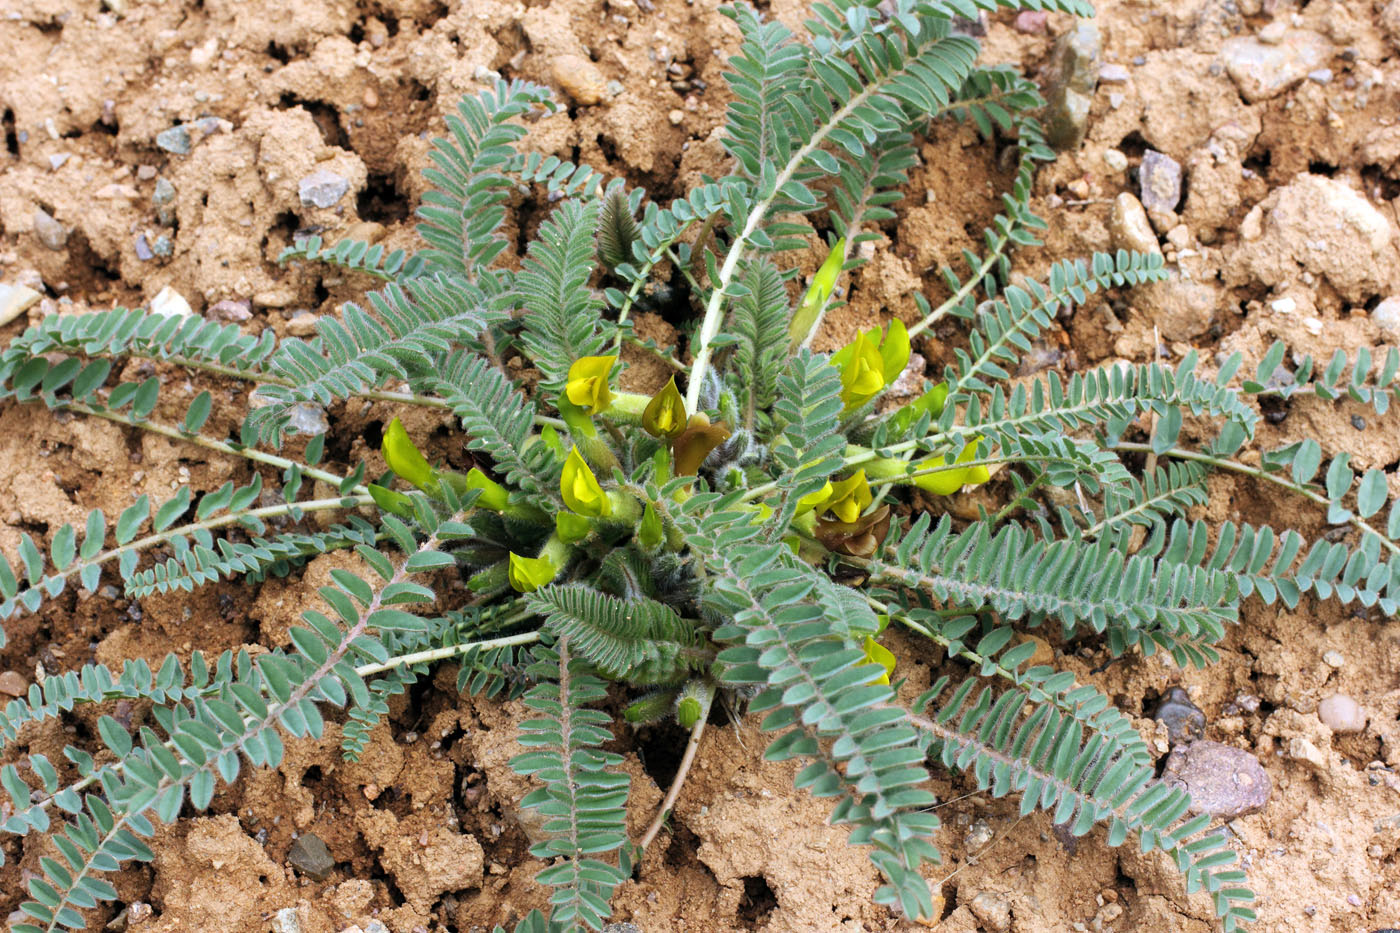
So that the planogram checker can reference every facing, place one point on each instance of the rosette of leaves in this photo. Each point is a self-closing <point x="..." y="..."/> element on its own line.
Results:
<point x="747" y="536"/>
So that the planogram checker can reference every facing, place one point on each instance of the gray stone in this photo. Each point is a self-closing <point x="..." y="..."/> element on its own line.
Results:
<point x="1341" y="713"/>
<point x="1223" y="781"/>
<point x="322" y="188"/>
<point x="1114" y="73"/>
<point x="49" y="231"/>
<point x="143" y="249"/>
<point x="993" y="910"/>
<point x="310" y="856"/>
<point x="162" y="246"/>
<point x="302" y="324"/>
<point x="308" y="418"/>
<point x="374" y="926"/>
<point x="1321" y="76"/>
<point x="622" y="928"/>
<point x="176" y="139"/>
<point x="1074" y="73"/>
<point x="57" y="159"/>
<point x="1262" y="71"/>
<point x="230" y="311"/>
<point x="163" y="200"/>
<point x="1184" y="720"/>
<point x="1387" y="316"/>
<point x="1160" y="179"/>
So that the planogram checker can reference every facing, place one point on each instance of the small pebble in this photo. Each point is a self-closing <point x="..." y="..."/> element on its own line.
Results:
<point x="302" y="324"/>
<point x="143" y="249"/>
<point x="230" y="311"/>
<point x="322" y="188"/>
<point x="1321" y="76"/>
<point x="371" y="98"/>
<point x="176" y="140"/>
<point x="1223" y="781"/>
<point x="50" y="232"/>
<point x="1273" y="33"/>
<point x="1341" y="714"/>
<point x="676" y="116"/>
<point x="1115" y="160"/>
<point x="1334" y="658"/>
<point x="1128" y="227"/>
<point x="13" y="684"/>
<point x="286" y="921"/>
<point x="145" y="172"/>
<point x="57" y="159"/>
<point x="1358" y="422"/>
<point x="993" y="910"/>
<point x="163" y="200"/>
<point x="978" y="836"/>
<point x="1387" y="316"/>
<point x="1184" y="720"/>
<point x="1113" y="73"/>
<point x="310" y="856"/>
<point x="15" y="300"/>
<point x="620" y="927"/>
<point x="162" y="246"/>
<point x="579" y="78"/>
<point x="1031" y="22"/>
<point x="308" y="418"/>
<point x="169" y="301"/>
<point x="1160" y="177"/>
<point x="1283" y="305"/>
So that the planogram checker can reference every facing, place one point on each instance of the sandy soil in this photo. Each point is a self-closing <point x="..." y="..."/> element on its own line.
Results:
<point x="1286" y="229"/>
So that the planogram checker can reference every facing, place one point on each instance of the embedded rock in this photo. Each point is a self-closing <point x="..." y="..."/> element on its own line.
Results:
<point x="322" y="188"/>
<point x="1074" y="74"/>
<point x="1223" y="781"/>
<point x="579" y="78"/>
<point x="1263" y="70"/>
<point x="1184" y="720"/>
<point x="1341" y="713"/>
<point x="1160" y="177"/>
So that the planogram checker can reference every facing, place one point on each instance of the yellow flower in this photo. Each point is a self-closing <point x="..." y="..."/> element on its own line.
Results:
<point x="870" y="363"/>
<point x="947" y="482"/>
<point x="848" y="498"/>
<point x="809" y="502"/>
<point x="527" y="574"/>
<point x="580" y="488"/>
<point x="665" y="414"/>
<point x="876" y="653"/>
<point x="587" y="386"/>
<point x="405" y="460"/>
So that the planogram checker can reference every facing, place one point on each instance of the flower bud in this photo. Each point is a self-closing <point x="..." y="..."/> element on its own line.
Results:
<point x="493" y="494"/>
<point x="405" y="459"/>
<point x="527" y="574"/>
<point x="946" y="482"/>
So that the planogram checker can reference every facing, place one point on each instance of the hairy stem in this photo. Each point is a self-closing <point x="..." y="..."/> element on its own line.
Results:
<point x="692" y="747"/>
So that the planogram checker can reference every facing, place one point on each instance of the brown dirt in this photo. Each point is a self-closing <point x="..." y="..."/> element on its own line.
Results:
<point x="421" y="829"/>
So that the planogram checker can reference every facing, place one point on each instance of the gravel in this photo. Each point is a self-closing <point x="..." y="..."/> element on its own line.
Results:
<point x="176" y="140"/>
<point x="1341" y="713"/>
<point x="1160" y="178"/>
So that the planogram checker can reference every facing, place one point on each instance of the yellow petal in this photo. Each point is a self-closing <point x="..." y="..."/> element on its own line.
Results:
<point x="848" y="498"/>
<point x="862" y="374"/>
<point x="947" y="482"/>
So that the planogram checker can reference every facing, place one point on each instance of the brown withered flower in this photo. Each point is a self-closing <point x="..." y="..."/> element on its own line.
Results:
<point x="859" y="538"/>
